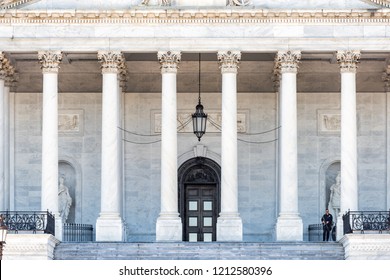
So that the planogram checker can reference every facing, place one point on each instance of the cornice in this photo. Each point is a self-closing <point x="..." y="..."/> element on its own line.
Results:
<point x="194" y="16"/>
<point x="12" y="4"/>
<point x="384" y="3"/>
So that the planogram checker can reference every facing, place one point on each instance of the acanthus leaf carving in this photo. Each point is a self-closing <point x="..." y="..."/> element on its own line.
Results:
<point x="169" y="61"/>
<point x="348" y="60"/>
<point x="50" y="61"/>
<point x="228" y="61"/>
<point x="287" y="61"/>
<point x="386" y="78"/>
<point x="2" y="66"/>
<point x="7" y="70"/>
<point x="111" y="61"/>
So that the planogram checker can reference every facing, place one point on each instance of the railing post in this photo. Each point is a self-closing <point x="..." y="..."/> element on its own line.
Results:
<point x="347" y="222"/>
<point x="77" y="232"/>
<point x="388" y="220"/>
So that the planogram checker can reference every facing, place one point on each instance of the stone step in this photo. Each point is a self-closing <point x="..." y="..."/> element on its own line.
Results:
<point x="200" y="251"/>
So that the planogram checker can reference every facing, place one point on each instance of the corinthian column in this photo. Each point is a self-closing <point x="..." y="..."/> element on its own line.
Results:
<point x="386" y="80"/>
<point x="349" y="185"/>
<point x="229" y="223"/>
<point x="7" y="72"/>
<point x="169" y="226"/>
<point x="50" y="61"/>
<point x="109" y="225"/>
<point x="10" y="80"/>
<point x="289" y="226"/>
<point x="3" y="75"/>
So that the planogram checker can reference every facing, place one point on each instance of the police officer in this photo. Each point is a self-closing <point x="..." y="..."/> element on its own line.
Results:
<point x="327" y="222"/>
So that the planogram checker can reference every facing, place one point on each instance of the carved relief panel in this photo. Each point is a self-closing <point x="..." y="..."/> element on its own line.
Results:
<point x="194" y="3"/>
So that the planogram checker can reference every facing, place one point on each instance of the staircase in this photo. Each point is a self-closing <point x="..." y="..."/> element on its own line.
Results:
<point x="200" y="251"/>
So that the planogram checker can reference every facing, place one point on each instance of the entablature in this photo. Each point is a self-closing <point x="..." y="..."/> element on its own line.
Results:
<point x="197" y="16"/>
<point x="384" y="3"/>
<point x="188" y="4"/>
<point x="12" y="4"/>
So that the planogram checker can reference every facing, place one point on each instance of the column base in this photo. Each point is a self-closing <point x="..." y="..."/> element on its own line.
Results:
<point x="30" y="247"/>
<point x="289" y="227"/>
<point x="109" y="227"/>
<point x="339" y="228"/>
<point x="229" y="227"/>
<point x="59" y="227"/>
<point x="169" y="228"/>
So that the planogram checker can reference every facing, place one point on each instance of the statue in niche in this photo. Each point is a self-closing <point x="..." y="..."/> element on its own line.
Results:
<point x="335" y="193"/>
<point x="162" y="2"/>
<point x="64" y="199"/>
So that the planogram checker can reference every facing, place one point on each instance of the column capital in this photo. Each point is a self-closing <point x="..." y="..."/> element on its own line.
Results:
<point x="287" y="61"/>
<point x="276" y="77"/>
<point x="111" y="61"/>
<point x="10" y="78"/>
<point x="4" y="63"/>
<point x="7" y="71"/>
<point x="348" y="60"/>
<point x="123" y="71"/>
<point x="386" y="78"/>
<point x="228" y="61"/>
<point x="50" y="61"/>
<point x="169" y="61"/>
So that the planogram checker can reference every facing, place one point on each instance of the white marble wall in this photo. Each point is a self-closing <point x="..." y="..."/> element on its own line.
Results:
<point x="316" y="151"/>
<point x="366" y="246"/>
<point x="83" y="149"/>
<point x="29" y="247"/>
<point x="257" y="162"/>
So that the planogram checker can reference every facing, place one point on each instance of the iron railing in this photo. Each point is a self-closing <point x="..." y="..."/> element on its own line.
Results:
<point x="77" y="233"/>
<point x="31" y="221"/>
<point x="366" y="221"/>
<point x="316" y="232"/>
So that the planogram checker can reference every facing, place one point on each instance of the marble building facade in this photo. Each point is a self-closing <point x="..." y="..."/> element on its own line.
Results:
<point x="102" y="94"/>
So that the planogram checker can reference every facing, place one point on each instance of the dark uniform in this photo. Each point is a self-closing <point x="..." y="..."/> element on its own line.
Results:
<point x="327" y="222"/>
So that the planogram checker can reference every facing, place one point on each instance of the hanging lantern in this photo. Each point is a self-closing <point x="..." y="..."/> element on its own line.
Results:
<point x="199" y="118"/>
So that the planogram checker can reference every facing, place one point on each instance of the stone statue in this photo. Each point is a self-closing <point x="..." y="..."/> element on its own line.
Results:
<point x="239" y="2"/>
<point x="162" y="2"/>
<point x="64" y="200"/>
<point x="335" y="192"/>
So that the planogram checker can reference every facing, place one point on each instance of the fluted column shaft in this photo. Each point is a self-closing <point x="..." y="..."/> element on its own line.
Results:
<point x="109" y="226"/>
<point x="348" y="162"/>
<point x="229" y="224"/>
<point x="289" y="225"/>
<point x="2" y="133"/>
<point x="7" y="72"/>
<point x="8" y="83"/>
<point x="50" y="61"/>
<point x="169" y="226"/>
<point x="50" y="65"/>
<point x="122" y="80"/>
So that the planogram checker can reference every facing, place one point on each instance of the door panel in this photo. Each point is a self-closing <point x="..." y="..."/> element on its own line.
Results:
<point x="200" y="213"/>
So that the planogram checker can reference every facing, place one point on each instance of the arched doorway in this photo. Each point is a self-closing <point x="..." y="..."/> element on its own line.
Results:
<point x="199" y="199"/>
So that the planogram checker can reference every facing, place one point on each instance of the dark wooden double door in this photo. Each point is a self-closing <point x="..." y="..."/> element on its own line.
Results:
<point x="201" y="212"/>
